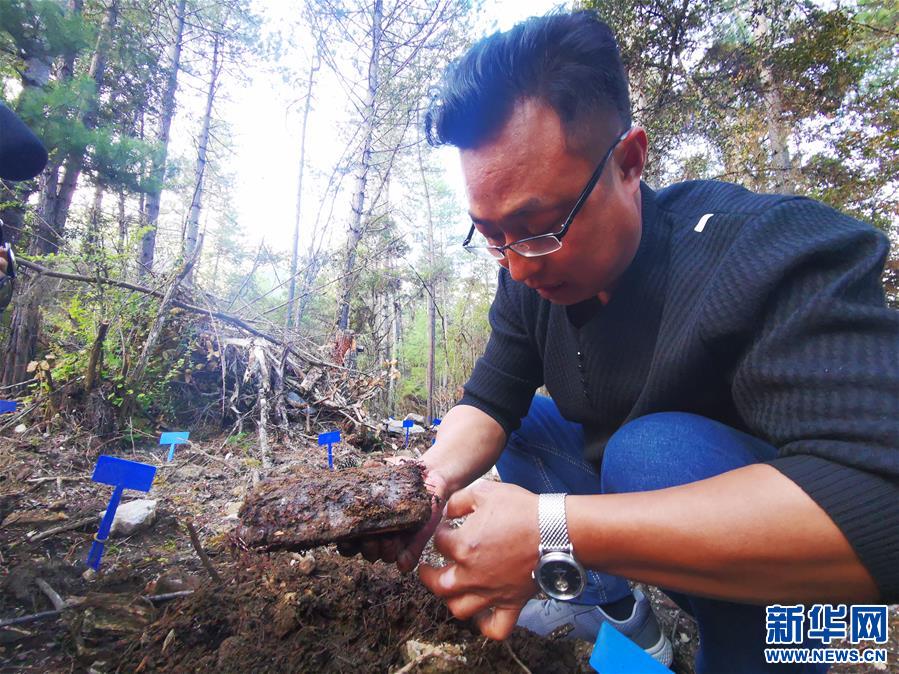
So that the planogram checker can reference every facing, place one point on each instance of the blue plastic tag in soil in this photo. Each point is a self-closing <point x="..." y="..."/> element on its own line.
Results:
<point x="173" y="438"/>
<point x="329" y="438"/>
<point x="129" y="474"/>
<point x="614" y="653"/>
<point x="122" y="474"/>
<point x="435" y="422"/>
<point x="407" y="424"/>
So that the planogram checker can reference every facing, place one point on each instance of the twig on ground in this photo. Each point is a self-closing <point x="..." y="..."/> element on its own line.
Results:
<point x="68" y="526"/>
<point x="168" y="596"/>
<point x="71" y="605"/>
<point x="196" y="450"/>
<point x="52" y="595"/>
<point x="415" y="662"/>
<point x="524" y="667"/>
<point x="201" y="553"/>
<point x="21" y="620"/>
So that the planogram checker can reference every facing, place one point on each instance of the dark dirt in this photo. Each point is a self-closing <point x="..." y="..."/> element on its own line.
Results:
<point x="310" y="508"/>
<point x="346" y="615"/>
<point x="276" y="612"/>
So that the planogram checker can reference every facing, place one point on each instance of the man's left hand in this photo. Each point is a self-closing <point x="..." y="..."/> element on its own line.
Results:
<point x="488" y="577"/>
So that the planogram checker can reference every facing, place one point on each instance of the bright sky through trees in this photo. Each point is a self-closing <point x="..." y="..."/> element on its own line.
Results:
<point x="263" y="117"/>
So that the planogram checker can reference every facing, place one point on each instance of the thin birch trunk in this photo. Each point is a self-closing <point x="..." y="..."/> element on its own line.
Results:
<point x="429" y="288"/>
<point x="356" y="220"/>
<point x="191" y="239"/>
<point x="778" y="129"/>
<point x="92" y="243"/>
<point x="292" y="287"/>
<point x="123" y="228"/>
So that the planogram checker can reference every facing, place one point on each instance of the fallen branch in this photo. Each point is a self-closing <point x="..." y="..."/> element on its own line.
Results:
<point x="69" y="526"/>
<point x="52" y="594"/>
<point x="201" y="553"/>
<point x="21" y="620"/>
<point x="221" y="315"/>
<point x="137" y="374"/>
<point x="168" y="596"/>
<point x="51" y="478"/>
<point x="31" y="618"/>
<point x="196" y="450"/>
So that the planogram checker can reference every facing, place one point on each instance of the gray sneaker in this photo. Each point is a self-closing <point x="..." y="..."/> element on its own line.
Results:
<point x="545" y="616"/>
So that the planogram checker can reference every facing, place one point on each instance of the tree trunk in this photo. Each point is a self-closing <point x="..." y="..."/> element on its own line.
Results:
<point x="778" y="130"/>
<point x="92" y="244"/>
<point x="429" y="289"/>
<point x="53" y="209"/>
<point x="356" y="220"/>
<point x="151" y="213"/>
<point x="292" y="287"/>
<point x="313" y="267"/>
<point x="54" y="219"/>
<point x="94" y="361"/>
<point x="193" y="218"/>
<point x="123" y="227"/>
<point x="24" y="328"/>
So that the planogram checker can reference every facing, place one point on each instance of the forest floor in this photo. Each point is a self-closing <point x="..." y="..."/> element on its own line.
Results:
<point x="279" y="612"/>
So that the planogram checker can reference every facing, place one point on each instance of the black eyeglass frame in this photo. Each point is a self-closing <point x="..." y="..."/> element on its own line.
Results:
<point x="557" y="236"/>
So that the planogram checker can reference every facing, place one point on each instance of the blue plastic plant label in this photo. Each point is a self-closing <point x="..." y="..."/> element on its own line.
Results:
<point x="614" y="653"/>
<point x="122" y="472"/>
<point x="174" y="438"/>
<point x="329" y="438"/>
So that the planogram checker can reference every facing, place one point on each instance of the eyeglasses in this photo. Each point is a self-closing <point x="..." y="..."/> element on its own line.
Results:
<point x="542" y="244"/>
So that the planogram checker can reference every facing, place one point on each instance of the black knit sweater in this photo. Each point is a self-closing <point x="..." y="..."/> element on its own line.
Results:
<point x="768" y="316"/>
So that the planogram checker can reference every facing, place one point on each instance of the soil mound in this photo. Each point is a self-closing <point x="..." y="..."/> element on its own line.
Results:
<point x="285" y="613"/>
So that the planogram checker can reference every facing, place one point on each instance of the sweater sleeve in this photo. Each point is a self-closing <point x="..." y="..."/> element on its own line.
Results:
<point x="818" y="370"/>
<point x="504" y="379"/>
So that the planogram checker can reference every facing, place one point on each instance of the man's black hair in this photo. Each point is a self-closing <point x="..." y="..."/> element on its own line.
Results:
<point x="22" y="155"/>
<point x="568" y="61"/>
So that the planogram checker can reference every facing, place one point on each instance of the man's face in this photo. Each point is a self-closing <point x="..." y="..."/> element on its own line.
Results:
<point x="526" y="181"/>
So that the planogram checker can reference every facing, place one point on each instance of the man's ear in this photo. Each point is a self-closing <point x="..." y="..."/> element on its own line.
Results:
<point x="630" y="156"/>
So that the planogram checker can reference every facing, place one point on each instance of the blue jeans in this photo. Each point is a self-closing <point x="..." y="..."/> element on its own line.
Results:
<point x="652" y="452"/>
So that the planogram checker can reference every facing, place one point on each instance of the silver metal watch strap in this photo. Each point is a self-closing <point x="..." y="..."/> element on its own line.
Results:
<point x="553" y="523"/>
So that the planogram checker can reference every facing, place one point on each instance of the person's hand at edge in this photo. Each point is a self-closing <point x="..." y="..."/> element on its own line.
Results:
<point x="490" y="556"/>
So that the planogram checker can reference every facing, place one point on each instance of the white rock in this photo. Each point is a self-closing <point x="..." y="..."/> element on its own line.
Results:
<point x="21" y="428"/>
<point x="231" y="509"/>
<point x="396" y="426"/>
<point x="133" y="516"/>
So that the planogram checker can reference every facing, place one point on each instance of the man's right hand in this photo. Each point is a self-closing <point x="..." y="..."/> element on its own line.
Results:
<point x="404" y="549"/>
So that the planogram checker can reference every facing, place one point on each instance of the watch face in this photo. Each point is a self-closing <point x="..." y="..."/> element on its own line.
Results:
<point x="560" y="576"/>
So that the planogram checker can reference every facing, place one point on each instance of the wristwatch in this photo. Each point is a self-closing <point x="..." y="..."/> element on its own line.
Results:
<point x="557" y="572"/>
